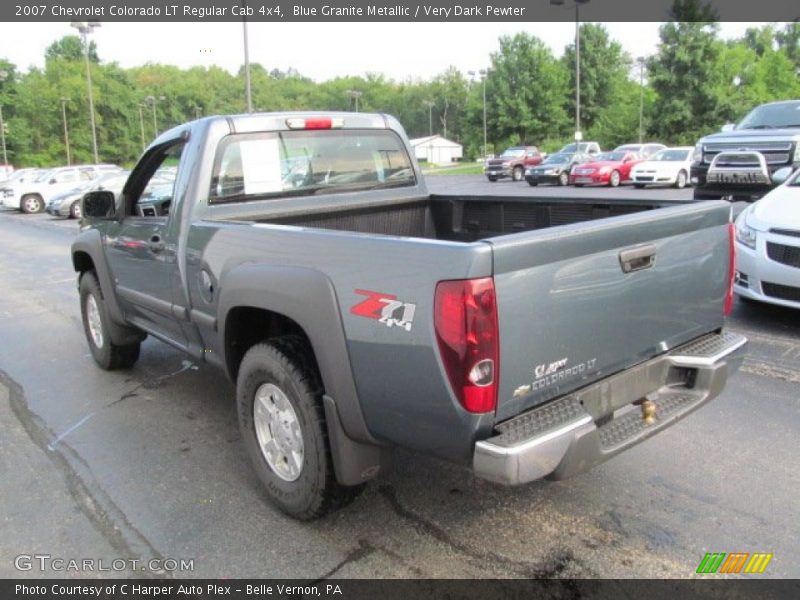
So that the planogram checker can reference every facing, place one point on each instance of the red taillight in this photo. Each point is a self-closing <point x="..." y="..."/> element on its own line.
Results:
<point x="727" y="307"/>
<point x="465" y="317"/>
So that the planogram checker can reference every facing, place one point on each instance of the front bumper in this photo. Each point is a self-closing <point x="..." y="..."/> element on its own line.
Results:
<point x="593" y="179"/>
<point x="542" y="178"/>
<point x="654" y="178"/>
<point x="573" y="433"/>
<point x="498" y="172"/>
<point x="699" y="178"/>
<point x="761" y="278"/>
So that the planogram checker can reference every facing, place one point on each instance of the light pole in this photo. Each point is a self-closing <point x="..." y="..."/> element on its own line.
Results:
<point x="3" y="77"/>
<point x="197" y="112"/>
<point x="484" y="73"/>
<point x="66" y="130"/>
<point x="430" y="104"/>
<point x="153" y="101"/>
<point x="141" y="124"/>
<point x="355" y="94"/>
<point x="247" y="89"/>
<point x="85" y="28"/>
<point x="577" y="63"/>
<point x="640" y="60"/>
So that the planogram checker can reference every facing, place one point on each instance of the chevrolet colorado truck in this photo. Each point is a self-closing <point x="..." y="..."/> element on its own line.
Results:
<point x="302" y="255"/>
<point x="512" y="163"/>
<point x="739" y="163"/>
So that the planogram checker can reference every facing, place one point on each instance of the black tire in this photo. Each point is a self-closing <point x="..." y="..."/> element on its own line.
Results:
<point x="614" y="179"/>
<point x="107" y="355"/>
<point x="639" y="186"/>
<point x="492" y="179"/>
<point x="517" y="174"/>
<point x="681" y="179"/>
<point x="32" y="203"/>
<point x="286" y="364"/>
<point x="75" y="210"/>
<point x="563" y="179"/>
<point x="533" y="183"/>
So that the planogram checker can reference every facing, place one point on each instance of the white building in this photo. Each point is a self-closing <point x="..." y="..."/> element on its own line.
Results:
<point x="437" y="150"/>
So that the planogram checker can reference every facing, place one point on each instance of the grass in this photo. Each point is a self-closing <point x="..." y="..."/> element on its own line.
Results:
<point x="456" y="169"/>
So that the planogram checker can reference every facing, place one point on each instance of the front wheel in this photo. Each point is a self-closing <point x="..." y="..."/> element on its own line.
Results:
<point x="680" y="181"/>
<point x="96" y="319"/>
<point x="32" y="203"/>
<point x="282" y="422"/>
<point x="492" y="179"/>
<point x="613" y="179"/>
<point x="517" y="174"/>
<point x="532" y="183"/>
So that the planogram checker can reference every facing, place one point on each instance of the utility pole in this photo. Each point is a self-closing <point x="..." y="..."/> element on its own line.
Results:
<point x="85" y="28"/>
<point x="641" y="62"/>
<point x="66" y="130"/>
<point x="354" y="94"/>
<point x="141" y="124"/>
<point x="430" y="104"/>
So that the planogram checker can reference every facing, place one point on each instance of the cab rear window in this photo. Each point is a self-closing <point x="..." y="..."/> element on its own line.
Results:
<point x="276" y="164"/>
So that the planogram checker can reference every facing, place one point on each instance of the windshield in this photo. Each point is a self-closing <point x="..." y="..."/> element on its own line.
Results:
<point x="773" y="116"/>
<point x="609" y="156"/>
<point x="44" y="175"/>
<point x="513" y="153"/>
<point x="674" y="155"/>
<point x="558" y="159"/>
<point x="263" y="165"/>
<point x="628" y="148"/>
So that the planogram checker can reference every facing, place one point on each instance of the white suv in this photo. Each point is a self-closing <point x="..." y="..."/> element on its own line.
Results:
<point x="32" y="196"/>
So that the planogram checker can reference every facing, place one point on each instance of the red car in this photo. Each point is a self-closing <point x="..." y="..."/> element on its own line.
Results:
<point x="606" y="168"/>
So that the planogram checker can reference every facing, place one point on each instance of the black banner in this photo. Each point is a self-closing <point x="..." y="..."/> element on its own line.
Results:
<point x="77" y="589"/>
<point x="390" y="10"/>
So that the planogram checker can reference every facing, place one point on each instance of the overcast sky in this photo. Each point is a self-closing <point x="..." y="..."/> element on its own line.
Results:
<point x="318" y="50"/>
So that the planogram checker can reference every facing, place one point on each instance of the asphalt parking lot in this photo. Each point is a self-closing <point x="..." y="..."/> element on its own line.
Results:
<point x="148" y="463"/>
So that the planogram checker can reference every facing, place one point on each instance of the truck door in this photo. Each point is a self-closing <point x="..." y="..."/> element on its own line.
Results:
<point x="139" y="253"/>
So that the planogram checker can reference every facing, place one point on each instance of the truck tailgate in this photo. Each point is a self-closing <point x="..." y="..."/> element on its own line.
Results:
<point x="569" y="313"/>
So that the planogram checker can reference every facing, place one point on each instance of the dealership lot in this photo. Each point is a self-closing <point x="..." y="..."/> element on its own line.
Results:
<point x="148" y="463"/>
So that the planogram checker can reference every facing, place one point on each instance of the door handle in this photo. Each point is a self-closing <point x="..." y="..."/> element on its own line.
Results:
<point x="637" y="259"/>
<point x="156" y="244"/>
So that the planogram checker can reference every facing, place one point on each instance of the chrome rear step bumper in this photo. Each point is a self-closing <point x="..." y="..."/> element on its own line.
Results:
<point x="575" y="432"/>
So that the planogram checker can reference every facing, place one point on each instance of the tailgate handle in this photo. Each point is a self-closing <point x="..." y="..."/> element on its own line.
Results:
<point x="637" y="259"/>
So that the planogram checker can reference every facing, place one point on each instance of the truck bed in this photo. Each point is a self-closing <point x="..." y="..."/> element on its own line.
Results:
<point x="462" y="218"/>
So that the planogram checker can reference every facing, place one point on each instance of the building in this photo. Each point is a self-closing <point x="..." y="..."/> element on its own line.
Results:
<point x="437" y="150"/>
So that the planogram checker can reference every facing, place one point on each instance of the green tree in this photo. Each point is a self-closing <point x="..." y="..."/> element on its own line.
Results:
<point x="604" y="68"/>
<point x="525" y="92"/>
<point x="70" y="47"/>
<point x="789" y="42"/>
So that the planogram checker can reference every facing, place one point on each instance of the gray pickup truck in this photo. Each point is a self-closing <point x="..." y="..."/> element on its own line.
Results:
<point x="355" y="312"/>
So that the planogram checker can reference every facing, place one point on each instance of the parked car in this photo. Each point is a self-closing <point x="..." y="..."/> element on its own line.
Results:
<point x="581" y="148"/>
<point x="17" y="177"/>
<point x="68" y="204"/>
<point x="6" y="171"/>
<point x="555" y="168"/>
<point x="33" y="196"/>
<point x="606" y="168"/>
<point x="666" y="167"/>
<point x="512" y="163"/>
<point x="525" y="348"/>
<point x="643" y="150"/>
<point x="768" y="245"/>
<point x="739" y="162"/>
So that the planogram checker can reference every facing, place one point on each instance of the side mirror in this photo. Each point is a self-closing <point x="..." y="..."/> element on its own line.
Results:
<point x="52" y="181"/>
<point x="100" y="204"/>
<point x="781" y="175"/>
<point x="728" y="127"/>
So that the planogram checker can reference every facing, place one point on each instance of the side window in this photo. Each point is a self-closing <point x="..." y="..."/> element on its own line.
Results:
<point x="66" y="177"/>
<point x="153" y="184"/>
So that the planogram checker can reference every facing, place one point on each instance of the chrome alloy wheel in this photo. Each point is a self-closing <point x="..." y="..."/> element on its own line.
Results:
<point x="93" y="318"/>
<point x="278" y="432"/>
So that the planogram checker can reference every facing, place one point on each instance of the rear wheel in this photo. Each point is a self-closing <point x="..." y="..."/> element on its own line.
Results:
<point x="563" y="179"/>
<point x="282" y="422"/>
<point x="680" y="181"/>
<point x="96" y="321"/>
<point x="532" y="183"/>
<point x="32" y="203"/>
<point x="75" y="210"/>
<point x="613" y="179"/>
<point x="517" y="173"/>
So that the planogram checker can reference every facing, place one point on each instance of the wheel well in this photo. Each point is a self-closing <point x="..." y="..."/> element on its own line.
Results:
<point x="246" y="326"/>
<point x="82" y="262"/>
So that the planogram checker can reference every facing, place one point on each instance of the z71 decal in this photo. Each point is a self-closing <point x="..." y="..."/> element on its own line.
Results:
<point x="386" y="309"/>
